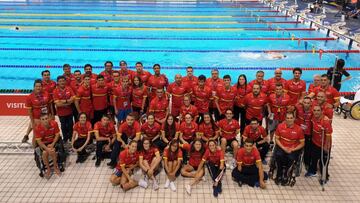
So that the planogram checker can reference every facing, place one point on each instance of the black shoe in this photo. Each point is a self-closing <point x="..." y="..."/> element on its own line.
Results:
<point x="78" y="160"/>
<point x="25" y="139"/>
<point x="97" y="163"/>
<point x="111" y="165"/>
<point x="240" y="183"/>
<point x="278" y="181"/>
<point x="284" y="182"/>
<point x="219" y="187"/>
<point x="215" y="191"/>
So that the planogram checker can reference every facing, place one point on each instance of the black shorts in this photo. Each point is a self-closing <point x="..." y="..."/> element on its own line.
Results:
<point x="228" y="142"/>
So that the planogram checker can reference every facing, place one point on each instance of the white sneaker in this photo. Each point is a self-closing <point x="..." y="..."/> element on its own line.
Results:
<point x="167" y="184"/>
<point x="203" y="178"/>
<point x="142" y="183"/>
<point x="188" y="189"/>
<point x="155" y="185"/>
<point x="172" y="186"/>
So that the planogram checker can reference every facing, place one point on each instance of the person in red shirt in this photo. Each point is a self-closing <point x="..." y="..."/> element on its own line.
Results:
<point x="159" y="106"/>
<point x="75" y="84"/>
<point x="264" y="86"/>
<point x="214" y="83"/>
<point x="139" y="95"/>
<point x="189" y="81"/>
<point x="157" y="81"/>
<point x="239" y="106"/>
<point x="37" y="102"/>
<point x="332" y="95"/>
<point x="107" y="73"/>
<point x="296" y="88"/>
<point x="303" y="119"/>
<point x="188" y="108"/>
<point x="321" y="142"/>
<point x="143" y="75"/>
<point x="115" y="83"/>
<point x="172" y="163"/>
<point x="215" y="160"/>
<point x="152" y="130"/>
<point x="63" y="98"/>
<point x="255" y="103"/>
<point x="277" y="79"/>
<point x="100" y="94"/>
<point x="47" y="135"/>
<point x="316" y="83"/>
<point x="225" y="96"/>
<point x="105" y="135"/>
<point x="49" y="86"/>
<point x="128" y="161"/>
<point x="83" y="101"/>
<point x="201" y="95"/>
<point x="88" y="71"/>
<point x="125" y="72"/>
<point x="188" y="130"/>
<point x="81" y="137"/>
<point x="258" y="134"/>
<point x="249" y="168"/>
<point x="169" y="131"/>
<point x="195" y="151"/>
<point x="208" y="130"/>
<point x="121" y="100"/>
<point x="326" y="108"/>
<point x="176" y="91"/>
<point x="149" y="161"/>
<point x="228" y="130"/>
<point x="67" y="74"/>
<point x="289" y="139"/>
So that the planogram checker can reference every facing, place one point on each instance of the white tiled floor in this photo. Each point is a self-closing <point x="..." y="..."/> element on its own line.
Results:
<point x="19" y="180"/>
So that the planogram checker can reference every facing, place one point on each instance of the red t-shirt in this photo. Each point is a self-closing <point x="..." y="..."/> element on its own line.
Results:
<point x="318" y="125"/>
<point x="188" y="132"/>
<point x="295" y="90"/>
<point x="46" y="135"/>
<point x="105" y="131"/>
<point x="192" y="110"/>
<point x="149" y="154"/>
<point x="241" y="92"/>
<point x="157" y="82"/>
<point x="247" y="159"/>
<point x="122" y="96"/>
<point x="255" y="105"/>
<point x="84" y="95"/>
<point x="144" y="76"/>
<point x="172" y="132"/>
<point x="264" y="86"/>
<point x="278" y="105"/>
<point x="82" y="130"/>
<point x="99" y="96"/>
<point x="159" y="107"/>
<point x="272" y="82"/>
<point x="127" y="159"/>
<point x="259" y="132"/>
<point x="331" y="93"/>
<point x="303" y="119"/>
<point x="63" y="94"/>
<point x="226" y="98"/>
<point x="195" y="157"/>
<point x="188" y="82"/>
<point x="130" y="131"/>
<point x="151" y="131"/>
<point x="172" y="156"/>
<point x="214" y="158"/>
<point x="201" y="98"/>
<point x="39" y="103"/>
<point x="207" y="130"/>
<point x="289" y="136"/>
<point x="177" y="94"/>
<point x="228" y="129"/>
<point x="138" y="94"/>
<point x="213" y="85"/>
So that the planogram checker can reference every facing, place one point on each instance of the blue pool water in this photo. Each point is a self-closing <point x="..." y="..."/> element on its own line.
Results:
<point x="202" y="34"/>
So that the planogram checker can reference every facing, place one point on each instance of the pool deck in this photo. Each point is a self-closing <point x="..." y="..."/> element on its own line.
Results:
<point x="19" y="180"/>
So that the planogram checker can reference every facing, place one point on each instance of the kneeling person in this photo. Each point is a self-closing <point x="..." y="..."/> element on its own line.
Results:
<point x="81" y="137"/>
<point x="105" y="135"/>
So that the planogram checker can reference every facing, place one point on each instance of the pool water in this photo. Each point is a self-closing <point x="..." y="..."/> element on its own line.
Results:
<point x="233" y="37"/>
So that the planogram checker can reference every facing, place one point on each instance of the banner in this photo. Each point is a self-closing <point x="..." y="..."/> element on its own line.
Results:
<point x="13" y="105"/>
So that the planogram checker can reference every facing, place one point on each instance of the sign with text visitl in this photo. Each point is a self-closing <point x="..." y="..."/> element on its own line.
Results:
<point x="13" y="105"/>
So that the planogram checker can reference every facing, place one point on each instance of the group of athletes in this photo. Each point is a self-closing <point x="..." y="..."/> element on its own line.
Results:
<point x="190" y="124"/>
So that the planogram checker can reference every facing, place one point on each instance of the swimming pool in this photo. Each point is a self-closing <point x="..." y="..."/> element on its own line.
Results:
<point x="233" y="37"/>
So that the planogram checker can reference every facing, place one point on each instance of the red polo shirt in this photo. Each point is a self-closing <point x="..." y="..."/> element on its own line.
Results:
<point x="213" y="85"/>
<point x="150" y="154"/>
<point x="159" y="107"/>
<point x="111" y="88"/>
<point x="202" y="98"/>
<point x="177" y="92"/>
<point x="138" y="94"/>
<point x="173" y="131"/>
<point x="241" y="92"/>
<point x="172" y="156"/>
<point x="130" y="131"/>
<point x="228" y="129"/>
<point x="294" y="90"/>
<point x="93" y="77"/>
<point x="69" y="79"/>
<point x="278" y="105"/>
<point x="192" y="110"/>
<point x="126" y="159"/>
<point x="318" y="127"/>
<point x="331" y="93"/>
<point x="49" y="87"/>
<point x="247" y="159"/>
<point x="105" y="131"/>
<point x="326" y="109"/>
<point x="207" y="130"/>
<point x="289" y="137"/>
<point x="99" y="96"/>
<point x="84" y="96"/>
<point x="195" y="157"/>
<point x="63" y="94"/>
<point x="39" y="103"/>
<point x="214" y="157"/>
<point x="157" y="82"/>
<point x="255" y="105"/>
<point x="303" y="119"/>
<point x="226" y="98"/>
<point x="122" y="96"/>
<point x="188" y="131"/>
<point x="272" y="82"/>
<point x="259" y="132"/>
<point x="82" y="129"/>
<point x="151" y="131"/>
<point x="107" y="76"/>
<point x="75" y="85"/>
<point x="264" y="86"/>
<point x="46" y="135"/>
<point x="144" y="76"/>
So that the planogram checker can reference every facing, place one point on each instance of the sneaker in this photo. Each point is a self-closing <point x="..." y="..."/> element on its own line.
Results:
<point x="142" y="183"/>
<point x="215" y="192"/>
<point x="25" y="139"/>
<point x="172" y="186"/>
<point x="219" y="188"/>
<point x="167" y="184"/>
<point x="155" y="185"/>
<point x="97" y="163"/>
<point x="309" y="174"/>
<point x="188" y="189"/>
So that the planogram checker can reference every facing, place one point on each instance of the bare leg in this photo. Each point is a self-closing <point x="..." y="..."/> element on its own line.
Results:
<point x="54" y="158"/>
<point x="187" y="171"/>
<point x="45" y="157"/>
<point x="223" y="144"/>
<point x="114" y="180"/>
<point x="197" y="177"/>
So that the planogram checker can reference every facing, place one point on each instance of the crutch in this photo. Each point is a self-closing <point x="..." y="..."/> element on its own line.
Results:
<point x="323" y="162"/>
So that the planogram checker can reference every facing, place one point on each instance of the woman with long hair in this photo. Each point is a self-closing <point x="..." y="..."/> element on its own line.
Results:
<point x="208" y="129"/>
<point x="172" y="163"/>
<point x="138" y="96"/>
<point x="239" y="107"/>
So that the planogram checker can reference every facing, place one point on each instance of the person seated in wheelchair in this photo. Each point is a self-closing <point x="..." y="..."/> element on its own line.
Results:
<point x="47" y="135"/>
<point x="249" y="168"/>
<point x="105" y="135"/>
<point x="258" y="134"/>
<point x="81" y="137"/>
<point x="289" y="138"/>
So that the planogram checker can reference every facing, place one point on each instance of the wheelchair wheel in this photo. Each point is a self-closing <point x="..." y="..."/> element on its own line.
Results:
<point x="355" y="110"/>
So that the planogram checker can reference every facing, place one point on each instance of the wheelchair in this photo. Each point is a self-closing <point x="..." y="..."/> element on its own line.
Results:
<point x="350" y="105"/>
<point x="61" y="158"/>
<point x="293" y="171"/>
